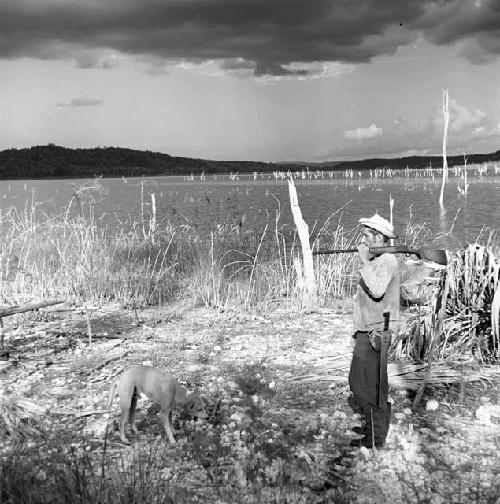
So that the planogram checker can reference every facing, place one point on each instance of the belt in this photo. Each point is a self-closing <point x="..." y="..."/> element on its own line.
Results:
<point x="360" y="332"/>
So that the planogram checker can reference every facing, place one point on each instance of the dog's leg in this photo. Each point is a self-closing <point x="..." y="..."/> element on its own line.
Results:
<point x="166" y="419"/>
<point x="174" y="432"/>
<point x="133" y="405"/>
<point x="125" y="407"/>
<point x="112" y="393"/>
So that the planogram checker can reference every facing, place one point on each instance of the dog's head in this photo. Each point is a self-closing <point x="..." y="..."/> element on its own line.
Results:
<point x="195" y="406"/>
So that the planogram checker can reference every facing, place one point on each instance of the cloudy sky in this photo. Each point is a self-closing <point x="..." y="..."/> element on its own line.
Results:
<point x="269" y="80"/>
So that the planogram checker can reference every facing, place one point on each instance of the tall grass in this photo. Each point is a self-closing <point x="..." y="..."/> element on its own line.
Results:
<point x="61" y="468"/>
<point x="77" y="259"/>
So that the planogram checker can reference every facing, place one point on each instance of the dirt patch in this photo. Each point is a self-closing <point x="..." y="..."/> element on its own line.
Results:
<point x="272" y="436"/>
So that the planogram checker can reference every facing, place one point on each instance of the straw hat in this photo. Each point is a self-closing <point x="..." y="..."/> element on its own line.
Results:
<point x="380" y="224"/>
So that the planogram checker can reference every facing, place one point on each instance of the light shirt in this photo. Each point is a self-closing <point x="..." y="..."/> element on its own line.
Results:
<point x="378" y="292"/>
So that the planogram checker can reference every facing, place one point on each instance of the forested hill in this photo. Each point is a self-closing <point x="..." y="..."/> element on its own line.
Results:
<point x="52" y="161"/>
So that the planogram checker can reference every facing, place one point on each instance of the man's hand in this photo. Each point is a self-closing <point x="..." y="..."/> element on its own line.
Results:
<point x="385" y="338"/>
<point x="364" y="253"/>
<point x="379" y="339"/>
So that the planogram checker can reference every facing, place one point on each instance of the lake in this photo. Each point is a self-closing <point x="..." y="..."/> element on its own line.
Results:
<point x="254" y="200"/>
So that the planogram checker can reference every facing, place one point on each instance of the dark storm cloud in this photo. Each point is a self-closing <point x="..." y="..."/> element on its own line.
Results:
<point x="266" y="34"/>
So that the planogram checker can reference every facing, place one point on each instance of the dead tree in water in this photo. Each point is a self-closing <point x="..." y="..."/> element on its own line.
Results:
<point x="305" y="275"/>
<point x="446" y="116"/>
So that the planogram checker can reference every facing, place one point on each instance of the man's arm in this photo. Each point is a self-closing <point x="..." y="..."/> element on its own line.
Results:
<point x="377" y="274"/>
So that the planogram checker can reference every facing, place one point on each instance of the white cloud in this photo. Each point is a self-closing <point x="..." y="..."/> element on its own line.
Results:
<point x="470" y="130"/>
<point x="363" y="133"/>
<point x="80" y="102"/>
<point x="463" y="120"/>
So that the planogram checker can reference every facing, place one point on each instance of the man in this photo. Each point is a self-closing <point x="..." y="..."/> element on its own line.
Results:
<point x="378" y="293"/>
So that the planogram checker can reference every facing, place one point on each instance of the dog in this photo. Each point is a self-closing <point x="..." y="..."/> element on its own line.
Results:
<point x="161" y="388"/>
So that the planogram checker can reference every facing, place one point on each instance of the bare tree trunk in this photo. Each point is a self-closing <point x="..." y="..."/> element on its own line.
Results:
<point x="391" y="205"/>
<point x="306" y="274"/>
<point x="446" y="117"/>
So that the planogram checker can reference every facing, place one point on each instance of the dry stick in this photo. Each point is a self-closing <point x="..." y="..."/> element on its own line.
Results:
<point x="152" y="225"/>
<point x="89" y="327"/>
<point x="495" y="319"/>
<point x="78" y="413"/>
<point x="107" y="361"/>
<point x="254" y="265"/>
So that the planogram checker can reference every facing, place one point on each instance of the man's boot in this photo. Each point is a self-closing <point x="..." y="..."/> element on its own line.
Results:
<point x="375" y="430"/>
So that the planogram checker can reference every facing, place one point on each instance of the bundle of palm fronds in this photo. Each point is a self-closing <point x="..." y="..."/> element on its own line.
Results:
<point x="404" y="375"/>
<point x="471" y="324"/>
<point x="462" y="319"/>
<point x="424" y="321"/>
<point x="15" y="415"/>
<point x="411" y="375"/>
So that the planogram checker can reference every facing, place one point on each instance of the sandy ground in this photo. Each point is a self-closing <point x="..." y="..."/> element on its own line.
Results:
<point x="276" y="387"/>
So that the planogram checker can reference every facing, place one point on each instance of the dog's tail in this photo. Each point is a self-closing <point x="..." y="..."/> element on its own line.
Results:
<point x="112" y="393"/>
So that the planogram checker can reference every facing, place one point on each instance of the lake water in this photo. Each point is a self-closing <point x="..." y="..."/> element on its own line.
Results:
<point x="256" y="201"/>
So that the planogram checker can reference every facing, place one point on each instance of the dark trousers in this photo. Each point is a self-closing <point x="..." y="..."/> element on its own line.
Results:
<point x="364" y="381"/>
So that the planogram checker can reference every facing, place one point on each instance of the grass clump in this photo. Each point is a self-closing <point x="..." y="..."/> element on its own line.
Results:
<point x="59" y="469"/>
<point x="77" y="259"/>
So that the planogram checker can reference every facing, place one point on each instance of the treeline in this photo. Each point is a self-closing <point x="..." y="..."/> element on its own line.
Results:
<point x="412" y="162"/>
<point x="52" y="161"/>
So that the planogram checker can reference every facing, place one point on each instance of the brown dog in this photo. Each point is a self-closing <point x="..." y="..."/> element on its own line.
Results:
<point x="158" y="386"/>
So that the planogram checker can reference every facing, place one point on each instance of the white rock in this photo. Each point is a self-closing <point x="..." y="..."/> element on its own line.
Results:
<point x="339" y="415"/>
<point x="365" y="452"/>
<point x="432" y="405"/>
<point x="483" y="414"/>
<point x="147" y="363"/>
<point x="98" y="427"/>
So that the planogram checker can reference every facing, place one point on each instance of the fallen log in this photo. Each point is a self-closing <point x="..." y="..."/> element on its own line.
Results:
<point x="12" y="310"/>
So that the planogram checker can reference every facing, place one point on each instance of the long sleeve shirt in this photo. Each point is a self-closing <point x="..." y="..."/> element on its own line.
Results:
<point x="378" y="292"/>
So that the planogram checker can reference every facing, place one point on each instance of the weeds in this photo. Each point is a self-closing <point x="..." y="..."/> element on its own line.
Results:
<point x="80" y="260"/>
<point x="56" y="469"/>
